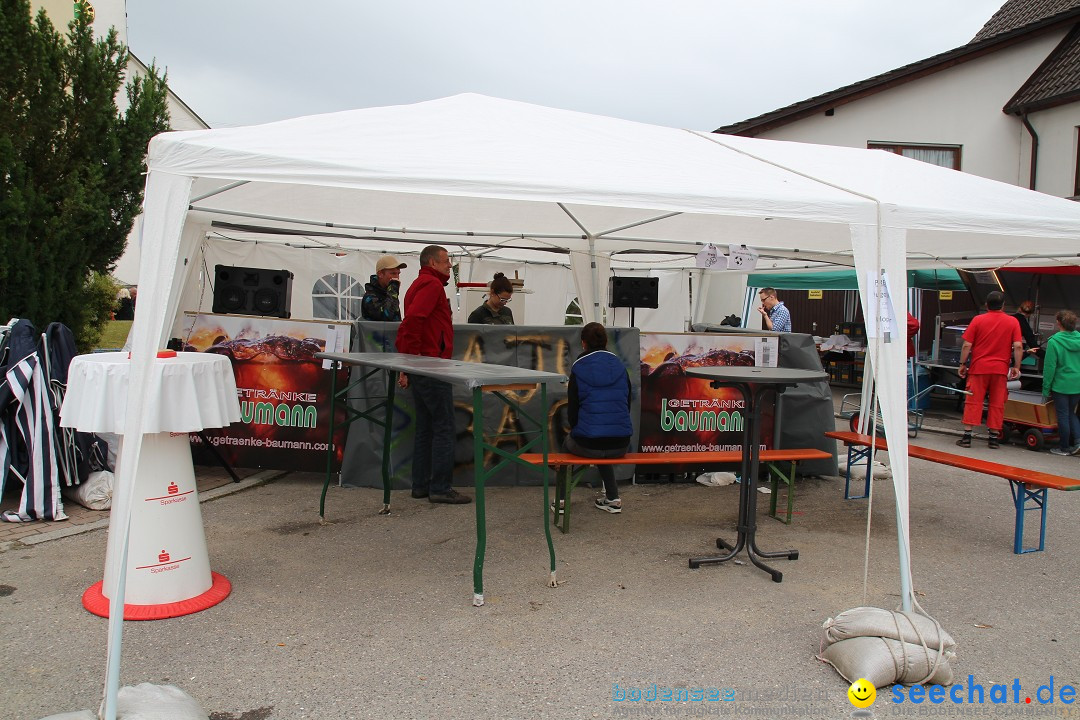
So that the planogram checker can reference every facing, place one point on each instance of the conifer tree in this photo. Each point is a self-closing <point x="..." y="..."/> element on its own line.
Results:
<point x="71" y="164"/>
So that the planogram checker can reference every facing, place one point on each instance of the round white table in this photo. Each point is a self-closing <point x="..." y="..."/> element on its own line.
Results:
<point x="168" y="568"/>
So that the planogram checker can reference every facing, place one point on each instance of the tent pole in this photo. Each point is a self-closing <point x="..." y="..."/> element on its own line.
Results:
<point x="595" y="280"/>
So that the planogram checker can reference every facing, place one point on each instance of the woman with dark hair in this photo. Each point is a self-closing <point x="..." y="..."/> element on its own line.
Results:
<point x="1061" y="381"/>
<point x="599" y="408"/>
<point x="494" y="310"/>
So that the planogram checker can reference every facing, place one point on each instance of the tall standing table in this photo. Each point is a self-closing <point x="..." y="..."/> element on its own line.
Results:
<point x="166" y="566"/>
<point x="754" y="383"/>
<point x="479" y="378"/>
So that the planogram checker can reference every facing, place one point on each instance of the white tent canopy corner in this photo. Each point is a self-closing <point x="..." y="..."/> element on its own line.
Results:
<point x="509" y="177"/>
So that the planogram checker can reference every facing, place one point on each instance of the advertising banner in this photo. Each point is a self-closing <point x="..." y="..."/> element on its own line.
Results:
<point x="684" y="414"/>
<point x="284" y="391"/>
<point x="547" y="348"/>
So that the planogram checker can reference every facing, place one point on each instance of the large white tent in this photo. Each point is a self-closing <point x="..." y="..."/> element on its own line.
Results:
<point x="513" y="180"/>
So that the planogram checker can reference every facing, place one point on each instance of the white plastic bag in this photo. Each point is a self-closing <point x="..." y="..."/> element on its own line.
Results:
<point x="94" y="493"/>
<point x="716" y="479"/>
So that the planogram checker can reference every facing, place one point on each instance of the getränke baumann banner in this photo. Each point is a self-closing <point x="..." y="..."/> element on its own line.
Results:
<point x="684" y="414"/>
<point x="284" y="391"/>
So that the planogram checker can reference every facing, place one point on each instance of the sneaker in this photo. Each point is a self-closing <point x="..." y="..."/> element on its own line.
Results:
<point x="450" y="497"/>
<point x="965" y="441"/>
<point x="611" y="506"/>
<point x="1075" y="450"/>
<point x="562" y="506"/>
<point x="419" y="494"/>
<point x="993" y="441"/>
<point x="1059" y="451"/>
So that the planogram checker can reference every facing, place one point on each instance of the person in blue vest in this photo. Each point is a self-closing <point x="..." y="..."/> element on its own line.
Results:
<point x="598" y="403"/>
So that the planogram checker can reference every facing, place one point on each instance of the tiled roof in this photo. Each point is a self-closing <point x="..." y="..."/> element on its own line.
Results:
<point x="1015" y="14"/>
<point x="1056" y="81"/>
<point x="1013" y="22"/>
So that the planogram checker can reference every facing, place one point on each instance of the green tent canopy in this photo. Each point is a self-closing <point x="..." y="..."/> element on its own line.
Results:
<point x="846" y="280"/>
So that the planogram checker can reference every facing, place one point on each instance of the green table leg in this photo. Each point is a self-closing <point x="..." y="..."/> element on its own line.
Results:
<point x="388" y="433"/>
<point x="481" y="523"/>
<point x="552" y="582"/>
<point x="481" y="474"/>
<point x="775" y="476"/>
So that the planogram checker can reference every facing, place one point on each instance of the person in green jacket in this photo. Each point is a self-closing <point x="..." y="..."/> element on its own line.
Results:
<point x="1061" y="381"/>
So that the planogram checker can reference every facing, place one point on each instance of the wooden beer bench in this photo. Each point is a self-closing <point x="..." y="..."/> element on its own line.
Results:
<point x="568" y="477"/>
<point x="1028" y="486"/>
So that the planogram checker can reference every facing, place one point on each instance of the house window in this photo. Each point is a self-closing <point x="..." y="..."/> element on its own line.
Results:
<point x="942" y="155"/>
<point x="337" y="297"/>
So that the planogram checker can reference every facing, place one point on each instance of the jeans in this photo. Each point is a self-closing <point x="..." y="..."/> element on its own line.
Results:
<point x="607" y="472"/>
<point x="434" y="437"/>
<point x="1068" y="422"/>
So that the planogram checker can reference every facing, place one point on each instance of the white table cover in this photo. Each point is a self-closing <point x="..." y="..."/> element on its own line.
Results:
<point x="186" y="393"/>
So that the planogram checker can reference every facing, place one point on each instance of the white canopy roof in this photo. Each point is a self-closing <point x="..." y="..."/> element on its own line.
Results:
<point x="489" y="171"/>
<point x="471" y="171"/>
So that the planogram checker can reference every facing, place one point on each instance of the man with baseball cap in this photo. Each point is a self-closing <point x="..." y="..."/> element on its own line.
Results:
<point x="381" y="294"/>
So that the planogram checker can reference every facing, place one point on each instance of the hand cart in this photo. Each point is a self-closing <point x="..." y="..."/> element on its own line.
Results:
<point x="851" y="410"/>
<point x="1029" y="415"/>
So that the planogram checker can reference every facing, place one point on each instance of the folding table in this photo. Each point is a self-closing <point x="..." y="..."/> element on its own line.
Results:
<point x="479" y="378"/>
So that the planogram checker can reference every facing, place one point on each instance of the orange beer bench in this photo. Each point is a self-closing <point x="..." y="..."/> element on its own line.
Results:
<point x="571" y="468"/>
<point x="1028" y="486"/>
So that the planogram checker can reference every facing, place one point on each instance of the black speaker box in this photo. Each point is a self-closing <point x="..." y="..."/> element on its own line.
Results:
<point x="635" y="292"/>
<point x="252" y="291"/>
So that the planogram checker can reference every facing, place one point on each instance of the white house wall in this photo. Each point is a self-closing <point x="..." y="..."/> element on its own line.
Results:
<point x="957" y="106"/>
<point x="1057" y="131"/>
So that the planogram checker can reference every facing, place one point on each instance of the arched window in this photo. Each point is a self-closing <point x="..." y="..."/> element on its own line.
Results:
<point x="573" y="314"/>
<point x="336" y="297"/>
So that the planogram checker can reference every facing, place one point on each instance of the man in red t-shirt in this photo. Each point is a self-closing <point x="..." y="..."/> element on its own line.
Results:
<point x="994" y="344"/>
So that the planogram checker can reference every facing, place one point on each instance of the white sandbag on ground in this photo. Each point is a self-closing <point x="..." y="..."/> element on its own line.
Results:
<point x="147" y="702"/>
<point x="858" y="470"/>
<point x="876" y="622"/>
<point x="884" y="662"/>
<point x="95" y="492"/>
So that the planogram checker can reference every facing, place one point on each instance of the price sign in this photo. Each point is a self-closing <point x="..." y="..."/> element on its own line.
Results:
<point x="880" y="318"/>
<point x="742" y="258"/>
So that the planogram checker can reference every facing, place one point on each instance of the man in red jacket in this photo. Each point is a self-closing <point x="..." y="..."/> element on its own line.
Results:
<point x="427" y="330"/>
<point x="993" y="342"/>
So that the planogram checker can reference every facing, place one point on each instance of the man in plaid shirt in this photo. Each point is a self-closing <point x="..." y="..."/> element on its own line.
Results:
<point x="774" y="315"/>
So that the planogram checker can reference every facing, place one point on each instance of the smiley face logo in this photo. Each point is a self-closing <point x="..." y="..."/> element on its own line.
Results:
<point x="862" y="694"/>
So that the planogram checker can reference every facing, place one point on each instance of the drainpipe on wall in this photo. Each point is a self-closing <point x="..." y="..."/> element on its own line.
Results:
<point x="1034" y="150"/>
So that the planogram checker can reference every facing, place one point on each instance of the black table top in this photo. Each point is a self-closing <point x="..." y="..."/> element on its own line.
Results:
<point x="758" y="375"/>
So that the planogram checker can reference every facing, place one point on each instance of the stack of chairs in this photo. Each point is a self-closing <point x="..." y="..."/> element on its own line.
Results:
<point x="34" y="449"/>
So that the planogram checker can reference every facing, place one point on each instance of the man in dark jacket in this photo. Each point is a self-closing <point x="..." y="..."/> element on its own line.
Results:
<point x="381" y="294"/>
<point x="428" y="330"/>
<point x="1024" y="315"/>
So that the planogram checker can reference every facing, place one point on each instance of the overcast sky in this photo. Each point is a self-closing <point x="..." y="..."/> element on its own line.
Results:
<point x="686" y="63"/>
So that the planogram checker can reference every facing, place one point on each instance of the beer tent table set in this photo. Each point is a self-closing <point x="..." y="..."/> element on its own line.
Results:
<point x="507" y="177"/>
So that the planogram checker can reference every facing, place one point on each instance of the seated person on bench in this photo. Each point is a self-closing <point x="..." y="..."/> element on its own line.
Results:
<point x="599" y="409"/>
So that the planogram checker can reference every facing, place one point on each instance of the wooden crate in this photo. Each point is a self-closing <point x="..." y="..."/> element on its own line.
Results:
<point x="1028" y="408"/>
